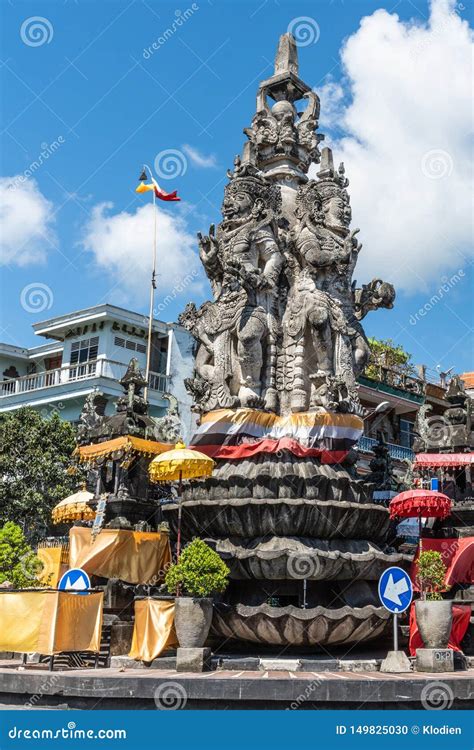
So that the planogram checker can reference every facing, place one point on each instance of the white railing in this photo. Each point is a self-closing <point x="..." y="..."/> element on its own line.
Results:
<point x="400" y="452"/>
<point x="99" y="368"/>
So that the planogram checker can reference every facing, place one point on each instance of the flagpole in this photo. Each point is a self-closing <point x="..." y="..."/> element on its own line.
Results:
<point x="152" y="295"/>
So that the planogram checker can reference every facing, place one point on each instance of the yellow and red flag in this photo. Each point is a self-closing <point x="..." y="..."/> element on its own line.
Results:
<point x="144" y="187"/>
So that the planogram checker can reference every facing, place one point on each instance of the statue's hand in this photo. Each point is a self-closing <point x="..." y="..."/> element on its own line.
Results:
<point x="352" y="244"/>
<point x="208" y="245"/>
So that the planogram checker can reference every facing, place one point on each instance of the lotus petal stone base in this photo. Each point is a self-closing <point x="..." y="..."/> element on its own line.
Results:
<point x="283" y="626"/>
<point x="252" y="517"/>
<point x="278" y="476"/>
<point x="283" y="558"/>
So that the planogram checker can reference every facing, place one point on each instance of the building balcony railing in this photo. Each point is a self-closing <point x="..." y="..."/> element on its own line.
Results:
<point x="395" y="379"/>
<point x="398" y="452"/>
<point x="98" y="368"/>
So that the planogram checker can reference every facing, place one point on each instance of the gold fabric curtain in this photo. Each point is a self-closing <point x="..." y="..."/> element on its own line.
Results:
<point x="53" y="567"/>
<point x="131" y="556"/>
<point x="153" y="631"/>
<point x="48" y="622"/>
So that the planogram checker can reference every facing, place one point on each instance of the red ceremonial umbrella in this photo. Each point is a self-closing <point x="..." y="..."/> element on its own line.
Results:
<point x="420" y="504"/>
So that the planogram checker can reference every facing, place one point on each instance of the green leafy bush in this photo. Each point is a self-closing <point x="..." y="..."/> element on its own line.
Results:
<point x="199" y="572"/>
<point x="18" y="562"/>
<point x="386" y="353"/>
<point x="431" y="572"/>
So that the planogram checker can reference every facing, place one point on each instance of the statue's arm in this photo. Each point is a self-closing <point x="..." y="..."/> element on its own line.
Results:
<point x="272" y="256"/>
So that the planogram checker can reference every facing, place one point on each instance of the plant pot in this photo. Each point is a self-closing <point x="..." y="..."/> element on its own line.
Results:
<point x="434" y="620"/>
<point x="192" y="621"/>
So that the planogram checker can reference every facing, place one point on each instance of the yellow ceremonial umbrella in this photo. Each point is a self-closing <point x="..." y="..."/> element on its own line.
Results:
<point x="74" y="508"/>
<point x="176" y="465"/>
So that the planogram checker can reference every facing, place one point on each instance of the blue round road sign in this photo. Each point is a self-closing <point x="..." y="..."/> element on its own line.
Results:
<point x="395" y="590"/>
<point x="74" y="580"/>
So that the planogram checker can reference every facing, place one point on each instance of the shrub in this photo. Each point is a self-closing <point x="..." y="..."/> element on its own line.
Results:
<point x="431" y="572"/>
<point x="18" y="562"/>
<point x="199" y="572"/>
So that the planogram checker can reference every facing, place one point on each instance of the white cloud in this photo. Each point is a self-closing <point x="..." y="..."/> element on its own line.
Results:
<point x="122" y="246"/>
<point x="199" y="159"/>
<point x="405" y="114"/>
<point x="26" y="218"/>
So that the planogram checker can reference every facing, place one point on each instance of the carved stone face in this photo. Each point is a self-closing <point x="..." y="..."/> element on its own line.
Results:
<point x="237" y="203"/>
<point x="337" y="211"/>
<point x="282" y="110"/>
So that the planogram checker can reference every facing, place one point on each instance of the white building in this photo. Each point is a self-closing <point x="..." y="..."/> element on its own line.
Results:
<point x="89" y="350"/>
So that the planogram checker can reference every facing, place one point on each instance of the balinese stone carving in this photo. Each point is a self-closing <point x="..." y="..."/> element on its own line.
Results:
<point x="235" y="361"/>
<point x="277" y="558"/>
<point x="282" y="334"/>
<point x="122" y="478"/>
<point x="281" y="626"/>
<point x="250" y="518"/>
<point x="283" y="331"/>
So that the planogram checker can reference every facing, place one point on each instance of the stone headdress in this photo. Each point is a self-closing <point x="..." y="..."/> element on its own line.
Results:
<point x="248" y="178"/>
<point x="308" y="201"/>
<point x="330" y="181"/>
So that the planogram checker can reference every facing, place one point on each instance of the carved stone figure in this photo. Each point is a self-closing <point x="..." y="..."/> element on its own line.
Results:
<point x="282" y="334"/>
<point x="236" y="332"/>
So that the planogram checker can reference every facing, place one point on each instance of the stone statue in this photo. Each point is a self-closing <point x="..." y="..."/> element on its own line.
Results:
<point x="280" y="345"/>
<point x="91" y="418"/>
<point x="236" y="331"/>
<point x="282" y="332"/>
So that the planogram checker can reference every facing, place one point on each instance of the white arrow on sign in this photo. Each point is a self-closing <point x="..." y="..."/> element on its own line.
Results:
<point x="78" y="585"/>
<point x="393" y="590"/>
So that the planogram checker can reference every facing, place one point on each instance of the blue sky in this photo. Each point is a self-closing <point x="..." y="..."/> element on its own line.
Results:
<point x="87" y="88"/>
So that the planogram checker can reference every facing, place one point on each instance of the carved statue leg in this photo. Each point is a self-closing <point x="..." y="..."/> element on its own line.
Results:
<point x="203" y="363"/>
<point x="361" y="353"/>
<point x="250" y="334"/>
<point x="322" y="342"/>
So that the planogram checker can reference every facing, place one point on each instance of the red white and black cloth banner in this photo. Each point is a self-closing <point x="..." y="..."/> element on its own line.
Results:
<point x="239" y="433"/>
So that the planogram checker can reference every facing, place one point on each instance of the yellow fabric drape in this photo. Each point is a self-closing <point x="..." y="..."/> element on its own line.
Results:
<point x="127" y="443"/>
<point x="49" y="622"/>
<point x="153" y="631"/>
<point x="53" y="568"/>
<point x="131" y="556"/>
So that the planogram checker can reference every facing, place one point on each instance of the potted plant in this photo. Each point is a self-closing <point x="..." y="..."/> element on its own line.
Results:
<point x="433" y="613"/>
<point x="194" y="579"/>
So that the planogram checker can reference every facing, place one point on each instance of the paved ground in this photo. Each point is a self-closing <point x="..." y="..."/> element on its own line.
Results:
<point x="35" y="686"/>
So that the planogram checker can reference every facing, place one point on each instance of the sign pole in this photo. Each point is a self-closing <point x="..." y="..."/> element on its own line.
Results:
<point x="395" y="632"/>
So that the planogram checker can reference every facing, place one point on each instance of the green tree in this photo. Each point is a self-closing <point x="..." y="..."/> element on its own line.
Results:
<point x="18" y="562"/>
<point x="384" y="352"/>
<point x="35" y="453"/>
<point x="431" y="574"/>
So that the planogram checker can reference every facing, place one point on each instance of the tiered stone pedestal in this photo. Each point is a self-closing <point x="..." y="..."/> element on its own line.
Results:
<point x="305" y="545"/>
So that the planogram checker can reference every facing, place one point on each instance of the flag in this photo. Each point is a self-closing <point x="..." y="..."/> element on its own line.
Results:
<point x="144" y="187"/>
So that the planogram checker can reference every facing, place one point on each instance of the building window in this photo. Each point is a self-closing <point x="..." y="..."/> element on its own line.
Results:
<point x="131" y="345"/>
<point x="406" y="433"/>
<point x="85" y="350"/>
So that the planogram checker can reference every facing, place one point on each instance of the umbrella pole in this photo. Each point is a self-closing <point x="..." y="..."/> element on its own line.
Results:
<point x="420" y="544"/>
<point x="178" y="540"/>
